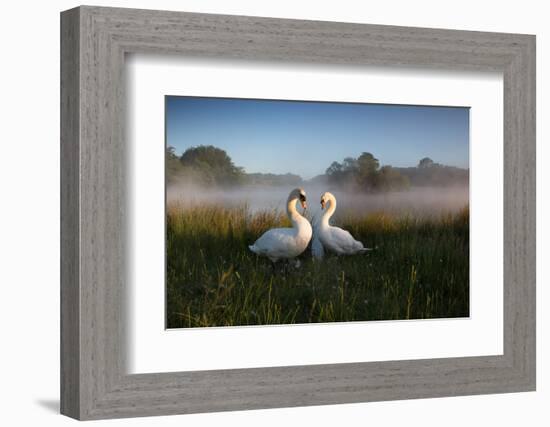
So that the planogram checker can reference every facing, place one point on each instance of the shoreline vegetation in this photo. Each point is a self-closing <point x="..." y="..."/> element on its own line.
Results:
<point x="419" y="269"/>
<point x="416" y="219"/>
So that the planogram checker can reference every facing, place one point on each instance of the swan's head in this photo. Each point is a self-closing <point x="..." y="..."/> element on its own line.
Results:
<point x="326" y="198"/>
<point x="298" y="194"/>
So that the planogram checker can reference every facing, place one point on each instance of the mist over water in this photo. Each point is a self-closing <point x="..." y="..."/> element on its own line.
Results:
<point x="419" y="201"/>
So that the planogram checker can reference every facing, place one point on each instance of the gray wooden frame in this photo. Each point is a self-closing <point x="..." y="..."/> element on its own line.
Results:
<point x="94" y="41"/>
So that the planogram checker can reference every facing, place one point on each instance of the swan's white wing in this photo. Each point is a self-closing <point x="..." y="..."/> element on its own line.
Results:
<point x="277" y="243"/>
<point x="342" y="242"/>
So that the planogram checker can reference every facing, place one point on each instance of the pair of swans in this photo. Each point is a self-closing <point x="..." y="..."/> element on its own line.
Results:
<point x="287" y="243"/>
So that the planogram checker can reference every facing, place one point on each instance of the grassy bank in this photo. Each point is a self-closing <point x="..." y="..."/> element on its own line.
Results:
<point x="419" y="269"/>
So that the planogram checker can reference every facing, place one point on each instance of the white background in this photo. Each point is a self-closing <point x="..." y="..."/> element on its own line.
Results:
<point x="29" y="213"/>
<point x="152" y="349"/>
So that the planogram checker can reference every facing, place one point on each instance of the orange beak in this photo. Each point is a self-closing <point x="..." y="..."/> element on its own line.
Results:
<point x="303" y="203"/>
<point x="322" y="204"/>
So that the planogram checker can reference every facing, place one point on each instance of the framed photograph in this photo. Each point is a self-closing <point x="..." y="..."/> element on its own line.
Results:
<point x="249" y="234"/>
<point x="262" y="213"/>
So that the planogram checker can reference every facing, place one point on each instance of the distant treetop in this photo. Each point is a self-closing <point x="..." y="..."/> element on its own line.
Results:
<point x="426" y="162"/>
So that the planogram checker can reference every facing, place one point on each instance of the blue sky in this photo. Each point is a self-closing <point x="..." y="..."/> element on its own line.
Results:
<point x="304" y="138"/>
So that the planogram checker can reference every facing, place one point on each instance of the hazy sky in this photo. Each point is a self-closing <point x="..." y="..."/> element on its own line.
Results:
<point x="304" y="138"/>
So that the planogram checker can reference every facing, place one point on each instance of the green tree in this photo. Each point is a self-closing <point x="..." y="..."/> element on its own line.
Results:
<point x="335" y="173"/>
<point x="426" y="162"/>
<point x="389" y="179"/>
<point x="350" y="165"/>
<point x="334" y="169"/>
<point x="367" y="171"/>
<point x="173" y="166"/>
<point x="213" y="165"/>
<point x="365" y="174"/>
<point x="171" y="152"/>
<point x="367" y="163"/>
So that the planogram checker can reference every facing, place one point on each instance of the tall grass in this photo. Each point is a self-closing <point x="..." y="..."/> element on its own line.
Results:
<point x="419" y="269"/>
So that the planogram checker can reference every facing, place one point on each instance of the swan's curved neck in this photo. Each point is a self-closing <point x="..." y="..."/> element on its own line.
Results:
<point x="329" y="211"/>
<point x="292" y="212"/>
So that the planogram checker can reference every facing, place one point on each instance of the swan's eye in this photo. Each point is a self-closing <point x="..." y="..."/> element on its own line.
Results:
<point x="302" y="198"/>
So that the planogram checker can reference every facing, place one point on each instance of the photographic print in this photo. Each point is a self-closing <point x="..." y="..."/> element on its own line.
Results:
<point x="294" y="212"/>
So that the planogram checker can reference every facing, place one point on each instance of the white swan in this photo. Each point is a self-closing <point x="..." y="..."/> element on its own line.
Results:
<point x="279" y="243"/>
<point x="317" y="249"/>
<point x="332" y="238"/>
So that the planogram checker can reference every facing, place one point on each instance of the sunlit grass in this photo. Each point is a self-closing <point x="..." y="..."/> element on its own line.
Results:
<point x="418" y="269"/>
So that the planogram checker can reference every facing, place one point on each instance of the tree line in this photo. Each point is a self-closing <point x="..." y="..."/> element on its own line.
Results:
<point x="364" y="173"/>
<point x="210" y="166"/>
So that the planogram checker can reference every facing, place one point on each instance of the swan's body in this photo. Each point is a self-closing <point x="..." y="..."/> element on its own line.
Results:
<point x="286" y="243"/>
<point x="333" y="239"/>
<point x="317" y="249"/>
